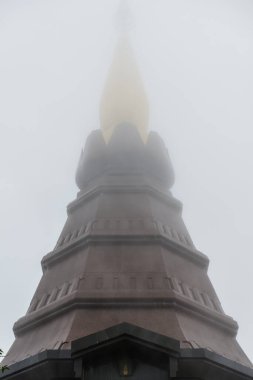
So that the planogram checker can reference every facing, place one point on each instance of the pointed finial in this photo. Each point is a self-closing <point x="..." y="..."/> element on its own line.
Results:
<point x="124" y="98"/>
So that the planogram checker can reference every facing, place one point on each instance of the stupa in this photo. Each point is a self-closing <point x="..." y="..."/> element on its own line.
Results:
<point x="125" y="293"/>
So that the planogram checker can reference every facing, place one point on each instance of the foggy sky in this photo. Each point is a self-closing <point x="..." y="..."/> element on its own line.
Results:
<point x="196" y="60"/>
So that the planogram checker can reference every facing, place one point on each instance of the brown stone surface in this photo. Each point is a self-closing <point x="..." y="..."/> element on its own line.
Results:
<point x="125" y="255"/>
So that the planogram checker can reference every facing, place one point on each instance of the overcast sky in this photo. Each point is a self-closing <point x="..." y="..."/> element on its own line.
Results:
<point x="196" y="59"/>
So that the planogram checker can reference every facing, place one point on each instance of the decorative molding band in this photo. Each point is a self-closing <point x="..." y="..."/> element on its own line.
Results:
<point x="122" y="189"/>
<point x="149" y="284"/>
<point x="54" y="295"/>
<point x="162" y="236"/>
<point x="79" y="300"/>
<point x="119" y="226"/>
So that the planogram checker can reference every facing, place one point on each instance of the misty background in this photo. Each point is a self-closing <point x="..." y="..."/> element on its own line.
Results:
<point x="196" y="60"/>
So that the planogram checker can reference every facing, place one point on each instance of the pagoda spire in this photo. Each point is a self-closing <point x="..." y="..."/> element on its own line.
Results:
<point x="124" y="99"/>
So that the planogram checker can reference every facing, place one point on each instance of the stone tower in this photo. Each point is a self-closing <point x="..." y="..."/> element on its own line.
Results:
<point x="125" y="293"/>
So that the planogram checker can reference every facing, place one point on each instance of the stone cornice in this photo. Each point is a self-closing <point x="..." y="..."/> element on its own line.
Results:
<point x="82" y="300"/>
<point x="130" y="239"/>
<point x="124" y="189"/>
